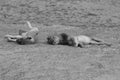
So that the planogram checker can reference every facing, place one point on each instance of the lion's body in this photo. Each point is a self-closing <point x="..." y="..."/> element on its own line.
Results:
<point x="58" y="39"/>
<point x="24" y="37"/>
<point x="83" y="40"/>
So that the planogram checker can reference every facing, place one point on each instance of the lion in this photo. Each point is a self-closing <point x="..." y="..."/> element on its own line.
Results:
<point x="83" y="40"/>
<point x="58" y="39"/>
<point x="24" y="37"/>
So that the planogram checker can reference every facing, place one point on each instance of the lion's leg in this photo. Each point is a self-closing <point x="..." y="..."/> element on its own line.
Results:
<point x="12" y="38"/>
<point x="99" y="43"/>
<point x="81" y="44"/>
<point x="75" y="44"/>
<point x="94" y="43"/>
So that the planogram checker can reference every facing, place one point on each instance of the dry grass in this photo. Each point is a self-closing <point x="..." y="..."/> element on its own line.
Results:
<point x="48" y="62"/>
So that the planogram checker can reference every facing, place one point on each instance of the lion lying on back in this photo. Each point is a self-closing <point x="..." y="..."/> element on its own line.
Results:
<point x="83" y="40"/>
<point x="58" y="39"/>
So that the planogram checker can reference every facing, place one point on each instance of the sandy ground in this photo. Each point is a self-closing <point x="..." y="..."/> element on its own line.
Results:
<point x="95" y="18"/>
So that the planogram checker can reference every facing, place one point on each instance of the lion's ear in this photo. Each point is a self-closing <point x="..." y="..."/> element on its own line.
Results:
<point x="48" y="37"/>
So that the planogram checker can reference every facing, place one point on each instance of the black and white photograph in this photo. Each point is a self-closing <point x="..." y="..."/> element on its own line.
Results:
<point x="59" y="39"/>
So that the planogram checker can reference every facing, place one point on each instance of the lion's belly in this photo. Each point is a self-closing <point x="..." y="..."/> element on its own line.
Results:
<point x="83" y="39"/>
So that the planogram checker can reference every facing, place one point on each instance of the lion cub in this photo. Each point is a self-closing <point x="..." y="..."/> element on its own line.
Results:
<point x="83" y="40"/>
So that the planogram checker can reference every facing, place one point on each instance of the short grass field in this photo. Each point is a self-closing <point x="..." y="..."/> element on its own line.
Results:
<point x="41" y="61"/>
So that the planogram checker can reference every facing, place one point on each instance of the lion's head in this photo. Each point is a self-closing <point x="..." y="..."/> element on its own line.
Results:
<point x="53" y="40"/>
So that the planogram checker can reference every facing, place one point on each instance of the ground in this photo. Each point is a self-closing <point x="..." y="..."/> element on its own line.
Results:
<point x="41" y="61"/>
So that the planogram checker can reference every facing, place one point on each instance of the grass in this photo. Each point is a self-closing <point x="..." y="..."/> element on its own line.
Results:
<point x="48" y="62"/>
